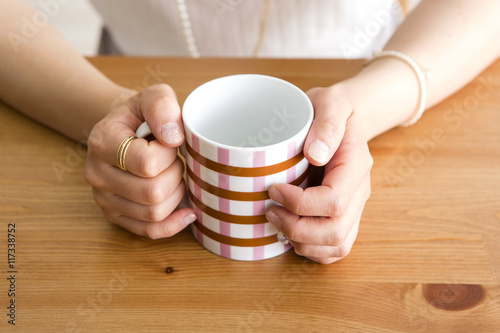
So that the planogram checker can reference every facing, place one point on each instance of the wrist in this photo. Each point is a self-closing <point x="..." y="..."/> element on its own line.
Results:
<point x="115" y="95"/>
<point x="106" y="98"/>
<point x="385" y="94"/>
<point x="112" y="96"/>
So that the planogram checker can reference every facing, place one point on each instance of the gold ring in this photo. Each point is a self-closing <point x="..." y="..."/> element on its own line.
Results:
<point x="122" y="152"/>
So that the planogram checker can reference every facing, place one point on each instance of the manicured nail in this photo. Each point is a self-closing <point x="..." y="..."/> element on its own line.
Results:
<point x="282" y="238"/>
<point x="318" y="151"/>
<point x="188" y="219"/>
<point x="273" y="218"/>
<point x="275" y="195"/>
<point x="171" y="133"/>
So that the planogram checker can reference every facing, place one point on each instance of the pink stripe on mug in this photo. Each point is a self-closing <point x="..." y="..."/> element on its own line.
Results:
<point x="224" y="204"/>
<point x="259" y="184"/>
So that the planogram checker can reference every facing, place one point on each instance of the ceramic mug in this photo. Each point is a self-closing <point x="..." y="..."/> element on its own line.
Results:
<point x="244" y="133"/>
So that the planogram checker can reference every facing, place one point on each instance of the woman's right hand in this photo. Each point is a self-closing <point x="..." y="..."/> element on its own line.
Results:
<point x="142" y="200"/>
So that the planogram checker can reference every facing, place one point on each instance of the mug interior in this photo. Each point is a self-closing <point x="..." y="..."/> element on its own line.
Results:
<point x="247" y="111"/>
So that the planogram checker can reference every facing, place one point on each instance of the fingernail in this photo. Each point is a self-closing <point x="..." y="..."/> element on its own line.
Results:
<point x="273" y="218"/>
<point x="275" y="195"/>
<point x="318" y="151"/>
<point x="282" y="238"/>
<point x="188" y="219"/>
<point x="171" y="133"/>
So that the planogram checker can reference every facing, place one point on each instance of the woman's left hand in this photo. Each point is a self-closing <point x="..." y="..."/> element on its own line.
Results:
<point x="322" y="222"/>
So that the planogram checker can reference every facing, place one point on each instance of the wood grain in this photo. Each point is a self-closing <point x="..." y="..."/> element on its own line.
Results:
<point x="429" y="236"/>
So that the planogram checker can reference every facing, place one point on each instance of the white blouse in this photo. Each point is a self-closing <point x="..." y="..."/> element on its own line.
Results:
<point x="230" y="28"/>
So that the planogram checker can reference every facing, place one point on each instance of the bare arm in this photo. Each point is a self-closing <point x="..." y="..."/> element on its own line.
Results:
<point x="42" y="76"/>
<point x="454" y="39"/>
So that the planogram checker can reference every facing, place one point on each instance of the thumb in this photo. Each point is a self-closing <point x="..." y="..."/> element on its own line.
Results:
<point x="331" y="112"/>
<point x="159" y="107"/>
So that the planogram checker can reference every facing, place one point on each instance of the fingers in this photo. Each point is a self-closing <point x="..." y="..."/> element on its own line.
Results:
<point x="148" y="191"/>
<point x="117" y="206"/>
<point x="168" y="227"/>
<point x="313" y="201"/>
<point x="143" y="158"/>
<point x="148" y="159"/>
<point x="328" y="254"/>
<point x="332" y="198"/>
<point x="143" y="199"/>
<point x="329" y="231"/>
<point x="328" y="127"/>
<point x="159" y="106"/>
<point x="344" y="174"/>
<point x="153" y="221"/>
<point x="322" y="222"/>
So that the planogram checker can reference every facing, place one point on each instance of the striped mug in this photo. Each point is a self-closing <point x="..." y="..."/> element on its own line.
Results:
<point x="244" y="133"/>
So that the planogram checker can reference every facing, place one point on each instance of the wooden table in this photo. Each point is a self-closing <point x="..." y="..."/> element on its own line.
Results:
<point x="427" y="258"/>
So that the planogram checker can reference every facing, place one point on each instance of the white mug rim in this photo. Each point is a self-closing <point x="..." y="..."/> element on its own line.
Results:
<point x="302" y="94"/>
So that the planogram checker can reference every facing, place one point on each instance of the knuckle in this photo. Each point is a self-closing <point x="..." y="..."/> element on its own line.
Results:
<point x="94" y="140"/>
<point x="92" y="178"/>
<point x="88" y="176"/>
<point x="332" y="129"/>
<point x="329" y="125"/>
<point x="295" y="234"/>
<point x="336" y="237"/>
<point x="168" y="88"/>
<point x="148" y="164"/>
<point x="155" y="193"/>
<point x="337" y="205"/>
<point x="155" y="213"/>
<point x="343" y="250"/>
<point x="152" y="231"/>
<point x="161" y="103"/>
<point x="92" y="143"/>
<point x="305" y="205"/>
<point x="161" y="86"/>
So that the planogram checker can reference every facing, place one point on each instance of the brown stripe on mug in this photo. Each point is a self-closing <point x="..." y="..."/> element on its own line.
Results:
<point x="236" y="219"/>
<point x="239" y="196"/>
<point x="241" y="171"/>
<point x="244" y="242"/>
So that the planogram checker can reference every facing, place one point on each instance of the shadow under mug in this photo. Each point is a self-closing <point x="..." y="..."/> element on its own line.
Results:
<point x="244" y="133"/>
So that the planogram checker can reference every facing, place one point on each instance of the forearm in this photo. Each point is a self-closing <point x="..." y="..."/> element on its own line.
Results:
<point x="454" y="39"/>
<point x="45" y="78"/>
